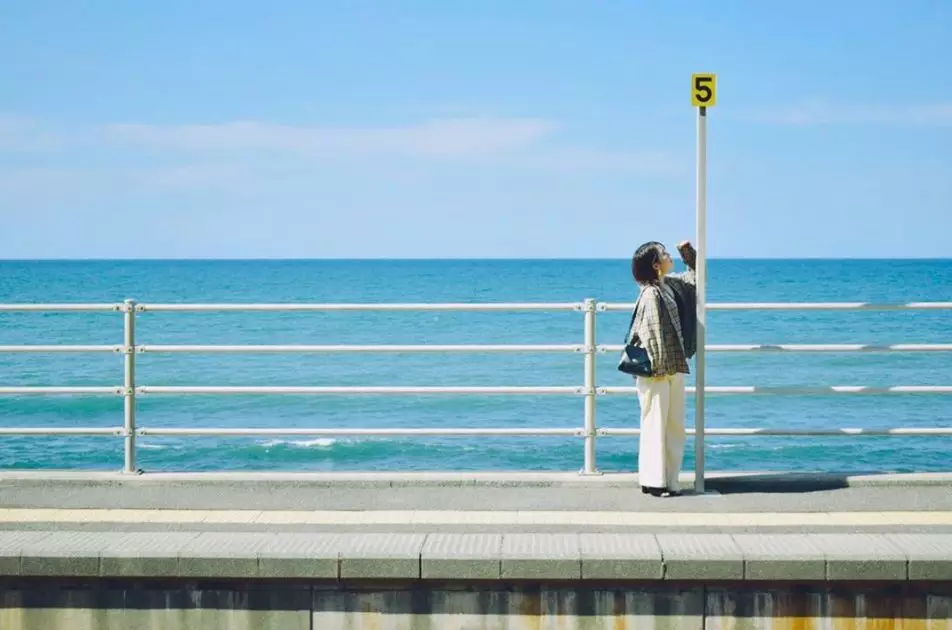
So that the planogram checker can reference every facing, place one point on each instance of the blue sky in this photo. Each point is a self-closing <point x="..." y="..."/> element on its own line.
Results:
<point x="471" y="129"/>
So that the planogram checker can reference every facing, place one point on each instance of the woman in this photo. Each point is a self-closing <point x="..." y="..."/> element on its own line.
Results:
<point x="665" y="300"/>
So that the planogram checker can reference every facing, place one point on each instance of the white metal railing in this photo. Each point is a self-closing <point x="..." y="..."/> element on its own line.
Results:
<point x="589" y="430"/>
<point x="803" y="306"/>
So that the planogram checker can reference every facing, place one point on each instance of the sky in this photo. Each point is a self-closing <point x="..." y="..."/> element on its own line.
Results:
<point x="496" y="129"/>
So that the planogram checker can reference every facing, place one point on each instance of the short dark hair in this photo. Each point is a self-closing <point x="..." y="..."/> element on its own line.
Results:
<point x="643" y="262"/>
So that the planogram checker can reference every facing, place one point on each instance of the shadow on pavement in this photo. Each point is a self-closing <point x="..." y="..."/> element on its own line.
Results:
<point x="778" y="483"/>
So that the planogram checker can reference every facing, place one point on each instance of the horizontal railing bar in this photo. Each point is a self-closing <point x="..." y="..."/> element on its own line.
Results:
<point x="343" y="348"/>
<point x="113" y="431"/>
<point x="474" y="306"/>
<point x="836" y="389"/>
<point x="363" y="348"/>
<point x="605" y="432"/>
<point x="828" y="306"/>
<point x="358" y="432"/>
<point x="793" y="347"/>
<point x="798" y="306"/>
<point x="61" y="348"/>
<point x="517" y="390"/>
<point x="54" y="308"/>
<point x="60" y="390"/>
<point x="356" y="390"/>
<point x="911" y="431"/>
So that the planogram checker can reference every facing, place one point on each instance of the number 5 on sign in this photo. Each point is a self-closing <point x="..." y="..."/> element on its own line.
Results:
<point x="704" y="90"/>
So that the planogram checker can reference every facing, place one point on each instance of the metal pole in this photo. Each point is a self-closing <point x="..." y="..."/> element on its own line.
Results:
<point x="591" y="426"/>
<point x="129" y="385"/>
<point x="701" y="279"/>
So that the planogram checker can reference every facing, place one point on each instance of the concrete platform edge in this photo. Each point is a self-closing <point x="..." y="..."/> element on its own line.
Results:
<point x="679" y="557"/>
<point x="765" y="481"/>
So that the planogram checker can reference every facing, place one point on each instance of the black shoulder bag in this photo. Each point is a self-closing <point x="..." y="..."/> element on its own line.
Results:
<point x="634" y="358"/>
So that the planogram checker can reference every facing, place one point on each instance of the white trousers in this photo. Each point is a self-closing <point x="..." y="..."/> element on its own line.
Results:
<point x="661" y="447"/>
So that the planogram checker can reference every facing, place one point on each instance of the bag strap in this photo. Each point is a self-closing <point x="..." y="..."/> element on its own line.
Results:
<point x="634" y="314"/>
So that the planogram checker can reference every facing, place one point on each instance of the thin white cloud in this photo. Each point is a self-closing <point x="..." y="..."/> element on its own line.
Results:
<point x="464" y="137"/>
<point x="579" y="158"/>
<point x="237" y="153"/>
<point x="818" y="112"/>
<point x="517" y="142"/>
<point x="25" y="135"/>
<point x="193" y="175"/>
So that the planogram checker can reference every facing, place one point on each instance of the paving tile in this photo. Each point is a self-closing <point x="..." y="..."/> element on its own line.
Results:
<point x="620" y="556"/>
<point x="11" y="545"/>
<point x="74" y="554"/>
<point x="290" y="555"/>
<point x="861" y="557"/>
<point x="145" y="554"/>
<point x="701" y="557"/>
<point x="387" y="555"/>
<point x="541" y="556"/>
<point x="929" y="555"/>
<point x="222" y="554"/>
<point x="462" y="556"/>
<point x="781" y="557"/>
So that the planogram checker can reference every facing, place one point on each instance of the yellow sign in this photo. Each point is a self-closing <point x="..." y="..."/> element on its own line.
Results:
<point x="704" y="90"/>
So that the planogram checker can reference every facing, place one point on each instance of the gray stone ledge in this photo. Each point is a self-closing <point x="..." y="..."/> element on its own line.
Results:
<point x="471" y="556"/>
<point x="766" y="480"/>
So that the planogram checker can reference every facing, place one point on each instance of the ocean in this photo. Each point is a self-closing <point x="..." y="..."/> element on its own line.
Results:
<point x="464" y="281"/>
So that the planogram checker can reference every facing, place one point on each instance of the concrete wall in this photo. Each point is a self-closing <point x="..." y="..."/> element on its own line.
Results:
<point x="51" y="604"/>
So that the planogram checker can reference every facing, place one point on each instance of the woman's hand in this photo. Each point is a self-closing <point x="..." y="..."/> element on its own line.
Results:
<point x="688" y="253"/>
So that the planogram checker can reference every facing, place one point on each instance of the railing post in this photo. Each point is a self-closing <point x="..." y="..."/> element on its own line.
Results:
<point x="591" y="426"/>
<point x="129" y="385"/>
<point x="701" y="280"/>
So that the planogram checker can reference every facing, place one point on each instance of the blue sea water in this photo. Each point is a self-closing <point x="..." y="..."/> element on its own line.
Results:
<point x="463" y="281"/>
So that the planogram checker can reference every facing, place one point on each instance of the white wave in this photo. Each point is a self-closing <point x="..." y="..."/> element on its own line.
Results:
<point x="315" y="443"/>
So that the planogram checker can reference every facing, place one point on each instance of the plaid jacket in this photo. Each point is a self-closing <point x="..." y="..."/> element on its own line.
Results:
<point x="684" y="288"/>
<point x="659" y="328"/>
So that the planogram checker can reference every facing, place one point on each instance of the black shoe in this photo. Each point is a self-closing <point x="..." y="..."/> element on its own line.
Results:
<point x="655" y="492"/>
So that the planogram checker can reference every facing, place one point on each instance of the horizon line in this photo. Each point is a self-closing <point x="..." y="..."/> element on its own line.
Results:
<point x="458" y="259"/>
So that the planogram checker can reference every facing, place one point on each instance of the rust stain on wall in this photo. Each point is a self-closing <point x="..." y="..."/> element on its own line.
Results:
<point x="485" y="606"/>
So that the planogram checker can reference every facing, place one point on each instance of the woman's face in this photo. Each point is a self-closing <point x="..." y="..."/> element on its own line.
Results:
<point x="665" y="264"/>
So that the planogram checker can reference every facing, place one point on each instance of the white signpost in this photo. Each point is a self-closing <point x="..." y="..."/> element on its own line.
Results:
<point x="703" y="95"/>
